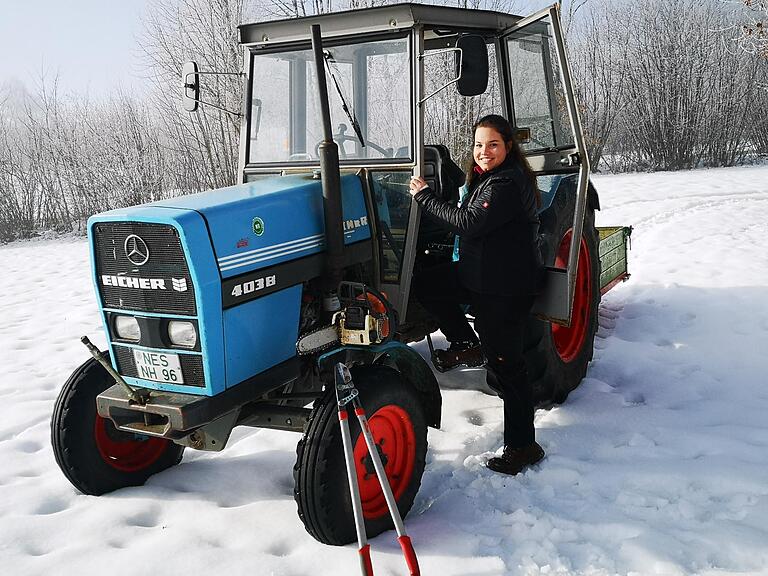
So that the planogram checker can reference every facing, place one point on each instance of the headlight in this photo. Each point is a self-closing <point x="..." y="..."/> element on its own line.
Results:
<point x="127" y="328"/>
<point x="182" y="333"/>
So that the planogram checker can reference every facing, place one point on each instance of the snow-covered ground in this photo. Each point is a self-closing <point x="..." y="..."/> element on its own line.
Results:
<point x="657" y="464"/>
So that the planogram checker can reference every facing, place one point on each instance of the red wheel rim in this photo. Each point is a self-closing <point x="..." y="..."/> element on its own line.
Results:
<point x="393" y="433"/>
<point x="122" y="451"/>
<point x="569" y="341"/>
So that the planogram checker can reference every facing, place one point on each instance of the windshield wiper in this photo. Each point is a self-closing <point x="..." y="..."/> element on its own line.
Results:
<point x="355" y="125"/>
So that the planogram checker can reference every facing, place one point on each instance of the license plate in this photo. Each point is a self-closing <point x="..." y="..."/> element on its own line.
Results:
<point x="158" y="366"/>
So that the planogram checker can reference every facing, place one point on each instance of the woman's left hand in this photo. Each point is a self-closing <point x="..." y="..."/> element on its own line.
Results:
<point x="417" y="184"/>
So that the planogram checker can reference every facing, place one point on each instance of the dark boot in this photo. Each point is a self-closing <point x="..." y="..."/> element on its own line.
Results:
<point x="466" y="353"/>
<point x="514" y="460"/>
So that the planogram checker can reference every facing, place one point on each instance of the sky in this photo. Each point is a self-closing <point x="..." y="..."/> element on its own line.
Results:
<point x="90" y="44"/>
<point x="656" y="465"/>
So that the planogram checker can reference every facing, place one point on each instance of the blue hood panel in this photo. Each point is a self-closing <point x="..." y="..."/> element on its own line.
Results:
<point x="272" y="220"/>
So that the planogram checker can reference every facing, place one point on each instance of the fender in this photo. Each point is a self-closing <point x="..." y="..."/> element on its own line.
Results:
<point x="566" y="184"/>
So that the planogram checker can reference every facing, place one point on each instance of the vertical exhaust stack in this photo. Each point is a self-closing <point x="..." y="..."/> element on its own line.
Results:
<point x="331" y="181"/>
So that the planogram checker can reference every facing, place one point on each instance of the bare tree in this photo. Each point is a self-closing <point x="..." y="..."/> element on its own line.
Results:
<point x="204" y="143"/>
<point x="599" y="59"/>
<point x="684" y="91"/>
<point x="754" y="31"/>
<point x="63" y="158"/>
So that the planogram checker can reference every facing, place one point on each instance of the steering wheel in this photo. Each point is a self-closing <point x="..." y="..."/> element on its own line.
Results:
<point x="341" y="136"/>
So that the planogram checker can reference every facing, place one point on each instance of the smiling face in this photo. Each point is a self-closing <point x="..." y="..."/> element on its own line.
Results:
<point x="489" y="150"/>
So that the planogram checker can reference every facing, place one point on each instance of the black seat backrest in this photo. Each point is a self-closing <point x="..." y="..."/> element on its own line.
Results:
<point x="441" y="173"/>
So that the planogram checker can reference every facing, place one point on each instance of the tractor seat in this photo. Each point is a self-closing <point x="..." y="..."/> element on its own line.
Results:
<point x="441" y="173"/>
<point x="435" y="241"/>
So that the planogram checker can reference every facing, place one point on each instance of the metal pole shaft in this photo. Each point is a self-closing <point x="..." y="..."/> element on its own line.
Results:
<point x="584" y="168"/>
<point x="404" y="540"/>
<point x="330" y="176"/>
<point x="322" y="84"/>
<point x="354" y="489"/>
<point x="96" y="353"/>
<point x="380" y="472"/>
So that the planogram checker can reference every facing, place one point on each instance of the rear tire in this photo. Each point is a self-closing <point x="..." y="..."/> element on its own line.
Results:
<point x="95" y="456"/>
<point x="399" y="429"/>
<point x="557" y="357"/>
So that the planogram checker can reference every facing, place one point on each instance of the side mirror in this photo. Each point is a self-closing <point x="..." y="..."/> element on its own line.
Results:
<point x="523" y="135"/>
<point x="190" y="79"/>
<point x="471" y="65"/>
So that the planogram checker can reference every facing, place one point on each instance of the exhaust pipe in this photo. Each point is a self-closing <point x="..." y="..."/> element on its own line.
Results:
<point x="331" y="182"/>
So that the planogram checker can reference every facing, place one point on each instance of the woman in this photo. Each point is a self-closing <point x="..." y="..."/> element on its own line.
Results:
<point x="498" y="272"/>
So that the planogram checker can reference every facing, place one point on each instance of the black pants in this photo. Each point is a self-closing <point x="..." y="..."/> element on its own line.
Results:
<point x="500" y="323"/>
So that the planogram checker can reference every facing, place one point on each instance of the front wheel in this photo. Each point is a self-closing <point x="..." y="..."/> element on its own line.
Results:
<point x="95" y="456"/>
<point x="397" y="423"/>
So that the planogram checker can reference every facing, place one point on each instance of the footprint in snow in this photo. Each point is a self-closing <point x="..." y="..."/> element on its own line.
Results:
<point x="35" y="550"/>
<point x="144" y="519"/>
<point x="473" y="417"/>
<point x="29" y="446"/>
<point x="51" y="506"/>
<point x="687" y="319"/>
<point x="634" y="399"/>
<point x="279" y="549"/>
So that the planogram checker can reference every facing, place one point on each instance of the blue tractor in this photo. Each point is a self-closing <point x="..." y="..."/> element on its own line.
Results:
<point x="231" y="307"/>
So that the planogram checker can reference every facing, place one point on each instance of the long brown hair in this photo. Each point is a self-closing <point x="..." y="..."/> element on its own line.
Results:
<point x="503" y="127"/>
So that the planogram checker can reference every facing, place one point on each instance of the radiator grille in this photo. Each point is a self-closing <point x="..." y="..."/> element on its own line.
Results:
<point x="166" y="263"/>
<point x="191" y="366"/>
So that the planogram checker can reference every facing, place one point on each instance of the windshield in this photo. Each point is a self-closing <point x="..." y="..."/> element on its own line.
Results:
<point x="373" y="80"/>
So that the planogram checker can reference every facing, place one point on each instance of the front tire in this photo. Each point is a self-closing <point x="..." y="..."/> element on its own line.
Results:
<point x="95" y="456"/>
<point x="399" y="429"/>
<point x="557" y="356"/>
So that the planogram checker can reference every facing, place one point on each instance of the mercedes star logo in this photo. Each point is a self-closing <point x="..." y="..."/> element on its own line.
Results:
<point x="136" y="250"/>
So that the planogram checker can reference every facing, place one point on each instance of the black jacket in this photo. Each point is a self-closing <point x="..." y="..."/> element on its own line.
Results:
<point x="499" y="225"/>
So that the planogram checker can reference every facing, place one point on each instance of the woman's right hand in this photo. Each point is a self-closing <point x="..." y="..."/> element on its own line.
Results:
<point x="417" y="184"/>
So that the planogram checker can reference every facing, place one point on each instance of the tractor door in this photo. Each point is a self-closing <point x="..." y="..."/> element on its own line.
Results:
<point x="540" y="102"/>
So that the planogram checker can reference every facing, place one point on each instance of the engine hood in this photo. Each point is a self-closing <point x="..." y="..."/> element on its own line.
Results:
<point x="272" y="220"/>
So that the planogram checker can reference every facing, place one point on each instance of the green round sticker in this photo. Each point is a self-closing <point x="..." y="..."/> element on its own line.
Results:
<point x="258" y="226"/>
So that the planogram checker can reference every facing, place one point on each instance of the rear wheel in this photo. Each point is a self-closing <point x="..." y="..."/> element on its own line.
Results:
<point x="558" y="356"/>
<point x="398" y="426"/>
<point x="94" y="455"/>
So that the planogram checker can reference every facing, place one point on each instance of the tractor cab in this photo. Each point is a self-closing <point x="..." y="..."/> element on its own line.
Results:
<point x="405" y="84"/>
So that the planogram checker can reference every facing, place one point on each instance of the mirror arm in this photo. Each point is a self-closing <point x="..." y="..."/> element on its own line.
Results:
<point x="238" y="114"/>
<point x="187" y="84"/>
<point x="444" y="86"/>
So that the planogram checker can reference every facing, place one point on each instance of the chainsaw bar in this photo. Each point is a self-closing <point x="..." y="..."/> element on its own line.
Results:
<point x="318" y="340"/>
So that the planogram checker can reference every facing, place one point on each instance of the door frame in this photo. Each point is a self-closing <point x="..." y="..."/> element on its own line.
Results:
<point x="555" y="303"/>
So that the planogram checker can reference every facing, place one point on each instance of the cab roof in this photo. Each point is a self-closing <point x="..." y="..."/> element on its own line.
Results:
<point x="393" y="18"/>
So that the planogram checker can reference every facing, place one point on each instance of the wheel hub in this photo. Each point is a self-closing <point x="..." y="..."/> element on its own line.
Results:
<point x="126" y="452"/>
<point x="368" y="461"/>
<point x="395" y="440"/>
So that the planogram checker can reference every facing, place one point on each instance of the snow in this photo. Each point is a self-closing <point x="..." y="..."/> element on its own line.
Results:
<point x="656" y="464"/>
